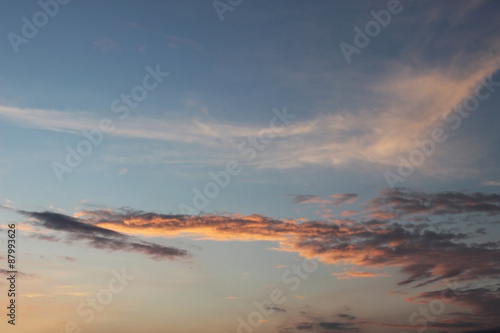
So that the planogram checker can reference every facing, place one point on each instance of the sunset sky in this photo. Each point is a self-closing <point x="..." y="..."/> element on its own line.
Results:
<point x="251" y="166"/>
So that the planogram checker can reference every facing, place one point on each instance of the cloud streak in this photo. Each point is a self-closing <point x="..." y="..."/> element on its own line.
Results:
<point x="98" y="237"/>
<point x="416" y="102"/>
<point x="403" y="202"/>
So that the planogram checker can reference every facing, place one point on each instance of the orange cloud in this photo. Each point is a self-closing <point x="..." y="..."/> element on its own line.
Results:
<point x="357" y="274"/>
<point x="425" y="256"/>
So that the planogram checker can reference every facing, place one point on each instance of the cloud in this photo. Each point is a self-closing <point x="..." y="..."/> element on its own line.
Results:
<point x="304" y="198"/>
<point x="365" y="246"/>
<point x="326" y="203"/>
<point x="487" y="330"/>
<point x="173" y="41"/>
<point x="338" y="199"/>
<point x="346" y="323"/>
<point x="491" y="183"/>
<point x="342" y="198"/>
<point x="339" y="327"/>
<point x="446" y="323"/>
<point x="404" y="201"/>
<point x="50" y="238"/>
<point x="19" y="274"/>
<point x="304" y="326"/>
<point x="416" y="101"/>
<point x="105" y="44"/>
<point x="98" y="237"/>
<point x="357" y="274"/>
<point x="485" y="300"/>
<point x="345" y="213"/>
<point x="275" y="308"/>
<point x="421" y="254"/>
<point x="346" y="316"/>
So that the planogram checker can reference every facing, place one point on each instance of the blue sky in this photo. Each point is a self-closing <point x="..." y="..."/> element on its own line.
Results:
<point x="311" y="146"/>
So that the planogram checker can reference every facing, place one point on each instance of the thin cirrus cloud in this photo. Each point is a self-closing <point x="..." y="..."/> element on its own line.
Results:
<point x="414" y="102"/>
<point x="356" y="274"/>
<point x="491" y="183"/>
<point x="173" y="41"/>
<point x="105" y="44"/>
<point x="328" y="202"/>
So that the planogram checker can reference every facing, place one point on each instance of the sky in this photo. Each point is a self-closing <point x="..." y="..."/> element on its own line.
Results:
<point x="250" y="166"/>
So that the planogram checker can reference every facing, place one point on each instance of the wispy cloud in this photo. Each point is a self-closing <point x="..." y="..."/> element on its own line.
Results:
<point x="24" y="275"/>
<point x="416" y="102"/>
<point x="404" y="201"/>
<point x="344" y="198"/>
<point x="491" y="183"/>
<point x="349" y="274"/>
<point x="173" y="41"/>
<point x="105" y="44"/>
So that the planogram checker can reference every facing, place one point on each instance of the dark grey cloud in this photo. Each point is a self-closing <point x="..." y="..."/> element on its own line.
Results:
<point x="49" y="238"/>
<point x="481" y="231"/>
<point x="344" y="323"/>
<point x="61" y="222"/>
<point x="346" y="316"/>
<point x="276" y="309"/>
<point x="485" y="300"/>
<point x="344" y="198"/>
<point x="303" y="198"/>
<point x="98" y="237"/>
<point x="487" y="330"/>
<point x="405" y="201"/>
<point x="304" y="326"/>
<point x="334" y="199"/>
<point x="343" y="327"/>
<point x="21" y="274"/>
